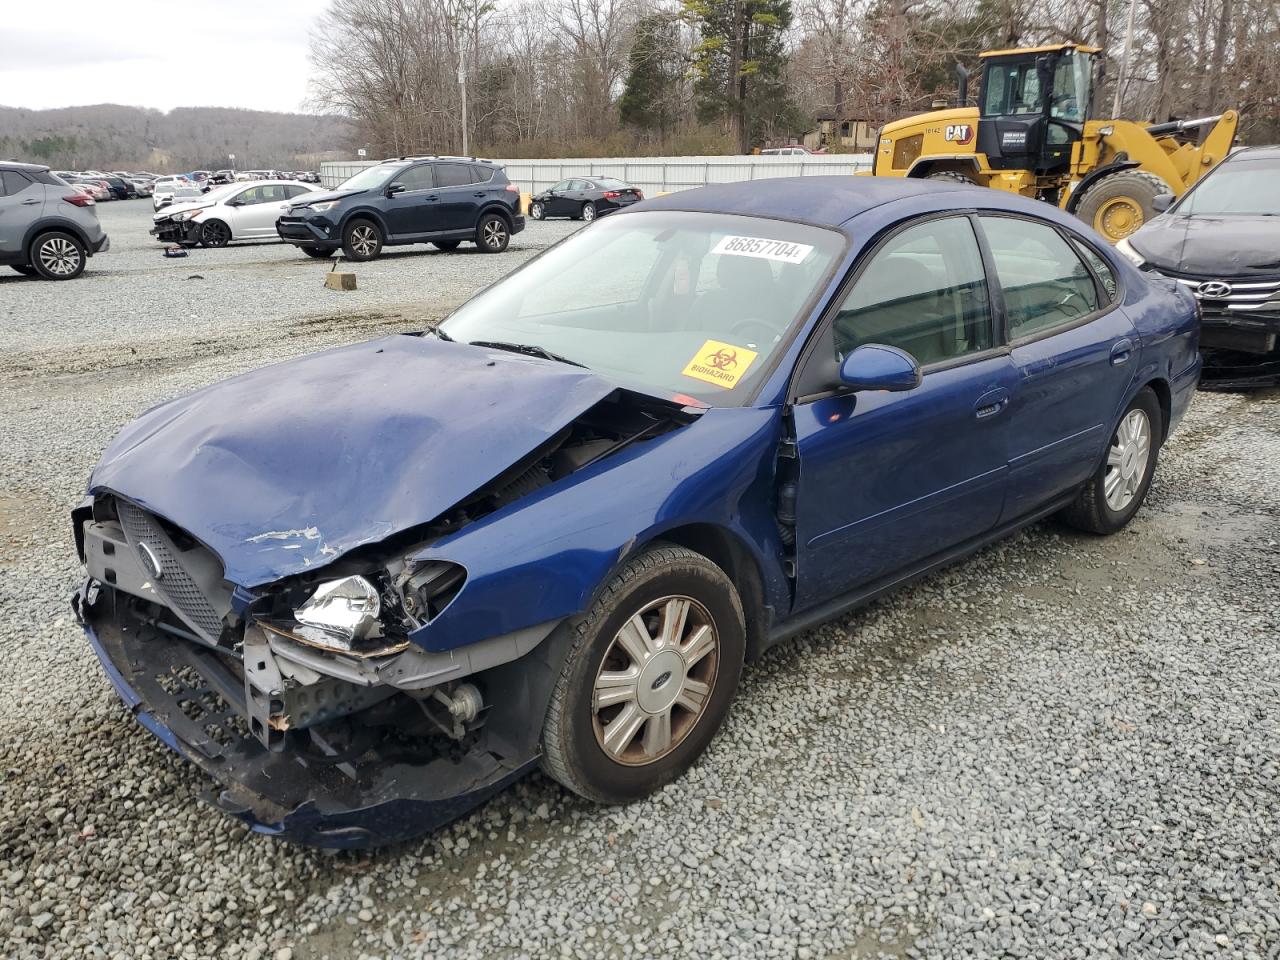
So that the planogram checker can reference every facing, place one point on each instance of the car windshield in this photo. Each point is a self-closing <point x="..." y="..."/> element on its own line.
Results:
<point x="674" y="304"/>
<point x="371" y="177"/>
<point x="1237" y="187"/>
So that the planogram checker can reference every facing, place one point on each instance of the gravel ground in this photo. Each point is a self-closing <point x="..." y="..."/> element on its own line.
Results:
<point x="1063" y="747"/>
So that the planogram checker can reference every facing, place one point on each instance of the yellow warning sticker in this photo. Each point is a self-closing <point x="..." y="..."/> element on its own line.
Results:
<point x="720" y="363"/>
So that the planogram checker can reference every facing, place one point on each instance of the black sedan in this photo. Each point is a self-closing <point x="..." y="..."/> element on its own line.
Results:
<point x="583" y="199"/>
<point x="1221" y="241"/>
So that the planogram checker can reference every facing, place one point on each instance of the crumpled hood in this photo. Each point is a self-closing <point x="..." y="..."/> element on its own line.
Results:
<point x="1207" y="246"/>
<point x="287" y="468"/>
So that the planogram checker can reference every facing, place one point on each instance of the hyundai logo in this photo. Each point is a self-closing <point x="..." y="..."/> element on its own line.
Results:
<point x="1214" y="290"/>
<point x="150" y="561"/>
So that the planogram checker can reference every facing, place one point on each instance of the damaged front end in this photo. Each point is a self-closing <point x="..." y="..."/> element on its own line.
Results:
<point x="316" y="702"/>
<point x="180" y="227"/>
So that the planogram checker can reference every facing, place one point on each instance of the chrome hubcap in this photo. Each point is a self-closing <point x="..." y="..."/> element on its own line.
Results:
<point x="655" y="680"/>
<point x="363" y="241"/>
<point x="494" y="233"/>
<point x="1127" y="460"/>
<point x="59" y="256"/>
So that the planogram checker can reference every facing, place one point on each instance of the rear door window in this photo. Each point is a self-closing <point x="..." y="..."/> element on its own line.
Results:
<point x="1044" y="281"/>
<point x="453" y="174"/>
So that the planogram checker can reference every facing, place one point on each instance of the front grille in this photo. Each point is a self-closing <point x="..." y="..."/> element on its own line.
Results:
<point x="175" y="583"/>
<point x="1233" y="297"/>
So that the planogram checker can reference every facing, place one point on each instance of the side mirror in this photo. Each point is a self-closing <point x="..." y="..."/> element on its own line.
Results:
<point x="394" y="189"/>
<point x="1162" y="202"/>
<point x="874" y="366"/>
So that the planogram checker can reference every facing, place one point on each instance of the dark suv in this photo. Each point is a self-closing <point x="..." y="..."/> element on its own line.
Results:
<point x="438" y="200"/>
<point x="47" y="228"/>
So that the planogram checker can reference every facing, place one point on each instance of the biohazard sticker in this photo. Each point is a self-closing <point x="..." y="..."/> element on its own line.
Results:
<point x="763" y="248"/>
<point x="720" y="363"/>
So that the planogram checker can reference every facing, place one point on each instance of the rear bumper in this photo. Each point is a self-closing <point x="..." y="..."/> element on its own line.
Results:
<point x="191" y="699"/>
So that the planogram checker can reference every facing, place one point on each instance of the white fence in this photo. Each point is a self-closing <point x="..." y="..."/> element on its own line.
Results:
<point x="650" y="174"/>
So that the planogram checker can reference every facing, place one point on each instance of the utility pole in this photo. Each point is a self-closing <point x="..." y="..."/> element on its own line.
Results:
<point x="462" y="82"/>
<point x="1124" y="59"/>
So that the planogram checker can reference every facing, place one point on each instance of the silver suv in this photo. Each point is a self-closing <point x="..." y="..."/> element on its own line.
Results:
<point x="47" y="228"/>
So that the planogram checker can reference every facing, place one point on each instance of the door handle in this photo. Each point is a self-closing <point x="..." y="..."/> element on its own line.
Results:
<point x="1121" y="350"/>
<point x="478" y="194"/>
<point x="432" y="197"/>
<point x="27" y="203"/>
<point x="991" y="403"/>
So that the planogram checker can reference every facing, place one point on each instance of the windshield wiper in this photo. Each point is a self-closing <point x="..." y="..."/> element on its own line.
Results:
<point x="528" y="349"/>
<point x="441" y="334"/>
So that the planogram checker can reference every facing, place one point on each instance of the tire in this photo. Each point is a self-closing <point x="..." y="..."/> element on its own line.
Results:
<point x="577" y="748"/>
<point x="446" y="245"/>
<point x="588" y="212"/>
<point x="493" y="233"/>
<point x="25" y="269"/>
<point x="1094" y="509"/>
<point x="215" y="233"/>
<point x="58" y="256"/>
<point x="1120" y="203"/>
<point x="319" y="253"/>
<point x="953" y="176"/>
<point x="537" y="211"/>
<point x="361" y="240"/>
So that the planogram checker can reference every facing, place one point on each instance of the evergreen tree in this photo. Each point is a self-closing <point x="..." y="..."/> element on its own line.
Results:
<point x="650" y="98"/>
<point x="738" y="65"/>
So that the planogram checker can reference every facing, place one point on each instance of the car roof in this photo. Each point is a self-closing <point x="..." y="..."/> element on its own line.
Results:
<point x="25" y="167"/>
<point x="1266" y="152"/>
<point x="822" y="201"/>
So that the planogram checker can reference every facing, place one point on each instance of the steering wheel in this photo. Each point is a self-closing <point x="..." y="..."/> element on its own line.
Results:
<point x="744" y="329"/>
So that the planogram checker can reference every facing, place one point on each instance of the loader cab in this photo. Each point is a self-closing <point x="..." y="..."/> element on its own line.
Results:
<point x="1033" y="106"/>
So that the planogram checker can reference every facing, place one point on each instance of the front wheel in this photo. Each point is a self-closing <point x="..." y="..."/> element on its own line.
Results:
<point x="1119" y="486"/>
<point x="492" y="233"/>
<point x="361" y="240"/>
<point x="215" y="233"/>
<point x="537" y="211"/>
<point x="1120" y="203"/>
<point x="648" y="679"/>
<point x="58" y="256"/>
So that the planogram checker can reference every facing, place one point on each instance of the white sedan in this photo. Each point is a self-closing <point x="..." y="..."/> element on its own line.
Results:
<point x="236" y="211"/>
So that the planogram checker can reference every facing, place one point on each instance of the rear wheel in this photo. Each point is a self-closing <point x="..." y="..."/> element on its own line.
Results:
<point x="58" y="256"/>
<point x="215" y="233"/>
<point x="1119" y="486"/>
<point x="492" y="233"/>
<point x="361" y="240"/>
<point x="1121" y="202"/>
<point x="953" y="176"/>
<point x="445" y="245"/>
<point x="648" y="679"/>
<point x="588" y="212"/>
<point x="320" y="253"/>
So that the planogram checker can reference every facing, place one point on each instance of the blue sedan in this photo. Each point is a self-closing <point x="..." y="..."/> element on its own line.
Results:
<point x="364" y="590"/>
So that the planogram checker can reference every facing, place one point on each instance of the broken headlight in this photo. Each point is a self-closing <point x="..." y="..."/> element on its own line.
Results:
<point x="340" y="613"/>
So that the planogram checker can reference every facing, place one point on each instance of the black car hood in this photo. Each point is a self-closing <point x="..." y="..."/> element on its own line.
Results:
<point x="1208" y="246"/>
<point x="291" y="466"/>
<point x="306" y="199"/>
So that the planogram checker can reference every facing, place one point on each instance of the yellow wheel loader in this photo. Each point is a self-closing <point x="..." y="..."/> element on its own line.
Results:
<point x="1033" y="134"/>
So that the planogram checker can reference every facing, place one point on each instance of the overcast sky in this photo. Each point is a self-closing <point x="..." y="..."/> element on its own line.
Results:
<point x="156" y="53"/>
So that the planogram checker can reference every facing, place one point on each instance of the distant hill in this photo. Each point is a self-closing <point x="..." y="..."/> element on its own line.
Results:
<point x="111" y="137"/>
